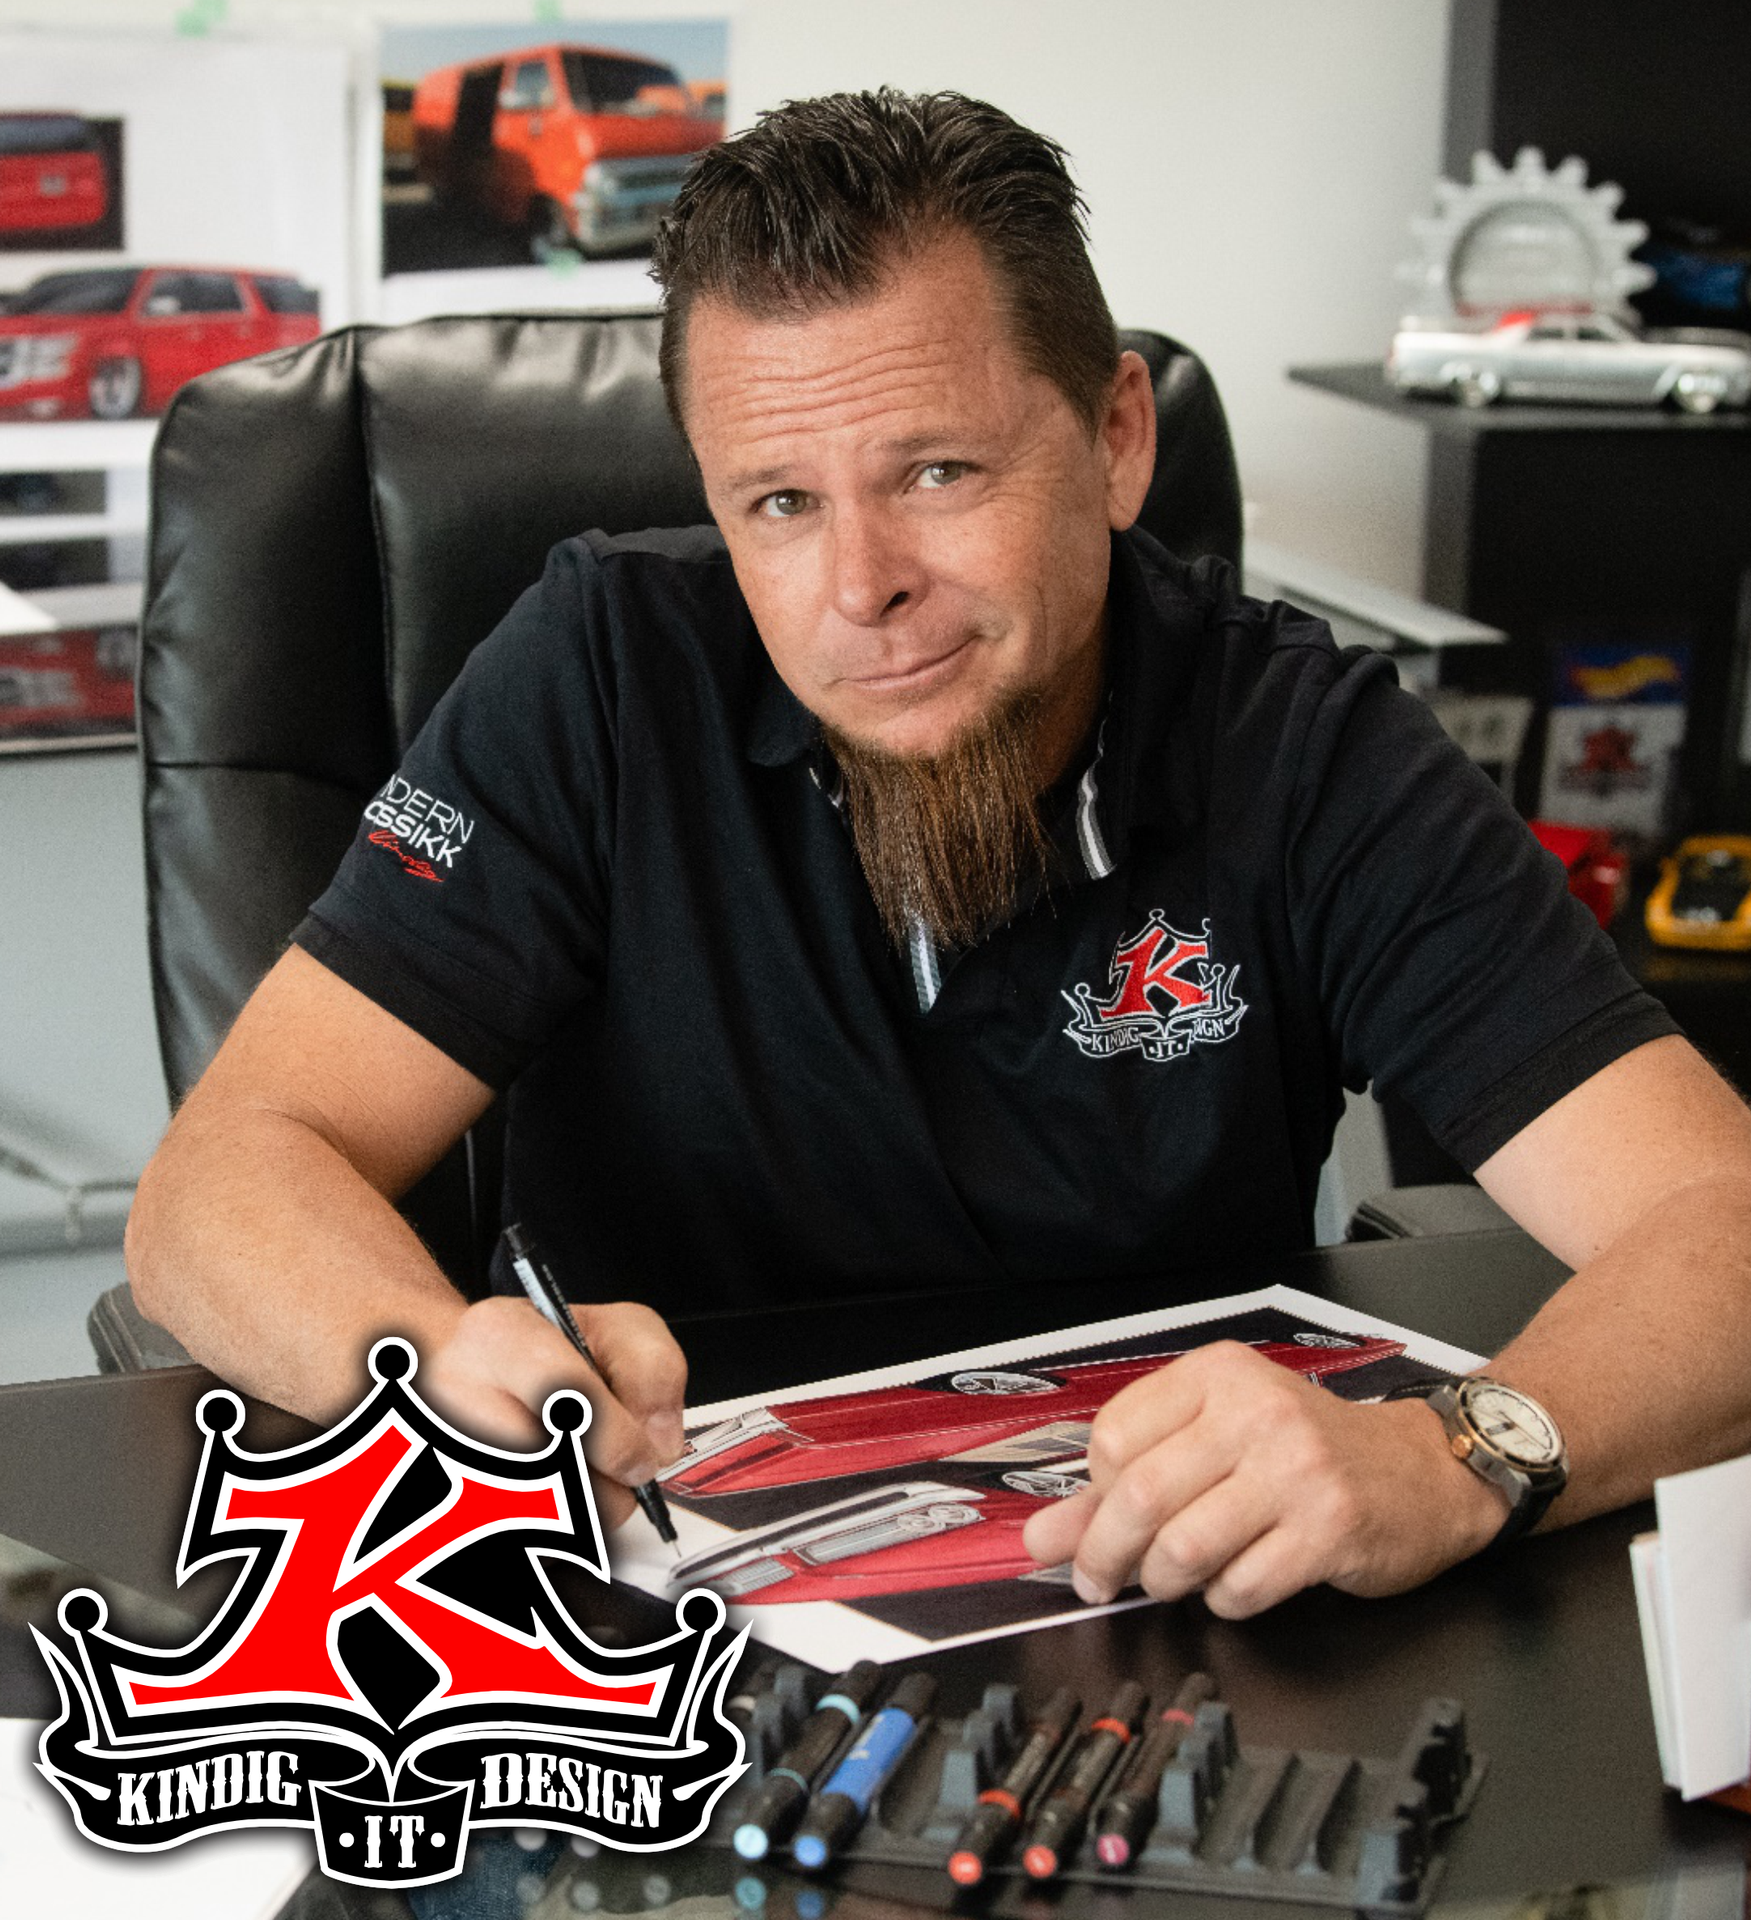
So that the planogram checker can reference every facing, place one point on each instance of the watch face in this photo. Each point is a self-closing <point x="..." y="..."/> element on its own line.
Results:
<point x="1513" y="1426"/>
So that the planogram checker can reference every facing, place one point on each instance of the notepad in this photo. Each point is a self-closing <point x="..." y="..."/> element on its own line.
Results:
<point x="1693" y="1593"/>
<point x="46" y="1866"/>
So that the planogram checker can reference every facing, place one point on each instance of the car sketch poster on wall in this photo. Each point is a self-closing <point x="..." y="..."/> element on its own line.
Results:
<point x="167" y="204"/>
<point x="527" y="168"/>
<point x="879" y="1515"/>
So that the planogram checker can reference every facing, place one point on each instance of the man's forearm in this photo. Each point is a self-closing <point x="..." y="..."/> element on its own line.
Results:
<point x="1644" y="1356"/>
<point x="274" y="1262"/>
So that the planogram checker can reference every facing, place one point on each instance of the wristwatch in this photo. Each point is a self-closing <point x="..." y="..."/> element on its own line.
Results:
<point x="1508" y="1439"/>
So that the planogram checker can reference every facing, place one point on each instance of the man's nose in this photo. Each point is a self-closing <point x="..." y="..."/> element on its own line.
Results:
<point x="874" y="571"/>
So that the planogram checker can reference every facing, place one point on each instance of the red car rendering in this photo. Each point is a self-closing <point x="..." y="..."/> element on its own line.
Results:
<point x="913" y="1535"/>
<point x="578" y="148"/>
<point x="68" y="684"/>
<point x="916" y="1535"/>
<point x="51" y="173"/>
<point x="118" y="341"/>
<point x="996" y="1415"/>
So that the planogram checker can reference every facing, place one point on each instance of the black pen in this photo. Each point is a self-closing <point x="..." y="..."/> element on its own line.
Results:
<point x="1058" y="1824"/>
<point x="1002" y="1807"/>
<point x="545" y="1296"/>
<point x="1130" y="1812"/>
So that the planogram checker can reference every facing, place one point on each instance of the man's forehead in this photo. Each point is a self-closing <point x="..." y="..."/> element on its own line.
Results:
<point x="930" y="348"/>
<point x="899" y="398"/>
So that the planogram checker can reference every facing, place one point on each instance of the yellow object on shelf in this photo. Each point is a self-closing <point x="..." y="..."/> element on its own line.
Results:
<point x="1703" y="896"/>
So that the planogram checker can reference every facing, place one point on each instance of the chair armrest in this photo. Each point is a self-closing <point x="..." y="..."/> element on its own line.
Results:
<point x="125" y="1341"/>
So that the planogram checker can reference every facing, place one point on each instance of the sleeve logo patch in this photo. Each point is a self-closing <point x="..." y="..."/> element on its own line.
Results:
<point x="1168" y="996"/>
<point x="421" y="830"/>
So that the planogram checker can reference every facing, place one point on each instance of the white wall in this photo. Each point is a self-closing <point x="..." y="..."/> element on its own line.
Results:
<point x="1252" y="166"/>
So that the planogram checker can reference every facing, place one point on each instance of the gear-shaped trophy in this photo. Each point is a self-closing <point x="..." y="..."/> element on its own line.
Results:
<point x="1526" y="236"/>
<point x="1522" y="293"/>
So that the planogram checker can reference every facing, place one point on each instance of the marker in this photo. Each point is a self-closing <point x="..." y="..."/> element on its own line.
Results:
<point x="999" y="1811"/>
<point x="1129" y="1813"/>
<point x="784" y="1793"/>
<point x="1058" y="1824"/>
<point x="837" y="1810"/>
<point x="548" y="1301"/>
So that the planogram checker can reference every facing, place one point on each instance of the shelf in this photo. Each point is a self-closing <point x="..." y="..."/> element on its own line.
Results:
<point x="34" y="529"/>
<point x="113" y="603"/>
<point x="1325" y="589"/>
<point x="75" y="446"/>
<point x="1366" y="383"/>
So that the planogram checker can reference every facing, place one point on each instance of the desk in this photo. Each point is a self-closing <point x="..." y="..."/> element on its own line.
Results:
<point x="1542" y="1647"/>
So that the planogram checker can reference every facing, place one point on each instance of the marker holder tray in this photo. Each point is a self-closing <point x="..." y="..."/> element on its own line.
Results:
<point x="1326" y="1829"/>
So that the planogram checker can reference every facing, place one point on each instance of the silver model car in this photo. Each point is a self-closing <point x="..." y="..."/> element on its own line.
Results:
<point x="1566" y="356"/>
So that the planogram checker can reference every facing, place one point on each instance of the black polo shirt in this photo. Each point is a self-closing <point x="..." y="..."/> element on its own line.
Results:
<point x="612" y="877"/>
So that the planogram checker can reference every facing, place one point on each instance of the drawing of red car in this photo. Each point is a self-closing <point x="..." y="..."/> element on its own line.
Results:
<point x="51" y="173"/>
<point x="915" y="1535"/>
<point x="118" y="341"/>
<point x="578" y="148"/>
<point x="1010" y="1416"/>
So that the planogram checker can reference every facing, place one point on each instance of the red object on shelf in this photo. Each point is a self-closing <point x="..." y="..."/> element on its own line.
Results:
<point x="1598" y="867"/>
<point x="67" y="685"/>
<point x="51" y="173"/>
<point x="116" y="342"/>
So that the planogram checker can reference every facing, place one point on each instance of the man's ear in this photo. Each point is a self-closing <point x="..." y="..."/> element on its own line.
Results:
<point x="1127" y="436"/>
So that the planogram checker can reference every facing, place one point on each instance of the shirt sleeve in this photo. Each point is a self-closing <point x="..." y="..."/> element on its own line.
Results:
<point x="1454" y="966"/>
<point x="473" y="902"/>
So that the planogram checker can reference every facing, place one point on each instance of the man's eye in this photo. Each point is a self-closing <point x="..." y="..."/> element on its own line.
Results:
<point x="942" y="473"/>
<point x="786" y="504"/>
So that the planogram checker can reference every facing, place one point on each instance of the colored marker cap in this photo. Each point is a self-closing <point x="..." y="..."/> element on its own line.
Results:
<point x="810" y="1850"/>
<point x="1040" y="1862"/>
<point x="750" y="1841"/>
<point x="1113" y="1850"/>
<point x="965" y="1868"/>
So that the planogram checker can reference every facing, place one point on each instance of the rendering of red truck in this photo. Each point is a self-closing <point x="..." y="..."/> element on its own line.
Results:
<point x="1022" y="1431"/>
<point x="576" y="147"/>
<point x="52" y="174"/>
<point x="997" y="1414"/>
<point x="111" y="342"/>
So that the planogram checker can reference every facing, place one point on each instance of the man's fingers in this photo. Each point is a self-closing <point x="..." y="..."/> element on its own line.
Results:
<point x="613" y="1502"/>
<point x="1144" y="1414"/>
<point x="1274" y="1566"/>
<point x="503" y="1347"/>
<point x="1147" y="1493"/>
<point x="1054" y="1533"/>
<point x="1206" y="1537"/>
<point x="644" y="1364"/>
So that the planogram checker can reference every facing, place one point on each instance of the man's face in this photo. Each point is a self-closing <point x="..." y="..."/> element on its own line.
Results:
<point x="918" y="522"/>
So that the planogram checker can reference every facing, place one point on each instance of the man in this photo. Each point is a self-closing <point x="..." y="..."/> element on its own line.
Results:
<point x="927" y="877"/>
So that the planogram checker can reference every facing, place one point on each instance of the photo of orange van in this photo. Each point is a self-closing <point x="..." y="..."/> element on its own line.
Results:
<point x="578" y="149"/>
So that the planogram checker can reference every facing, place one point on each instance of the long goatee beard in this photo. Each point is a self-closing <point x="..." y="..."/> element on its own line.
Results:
<point x="947" y="841"/>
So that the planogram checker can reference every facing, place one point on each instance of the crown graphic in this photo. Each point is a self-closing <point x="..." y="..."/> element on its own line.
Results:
<point x="396" y="1657"/>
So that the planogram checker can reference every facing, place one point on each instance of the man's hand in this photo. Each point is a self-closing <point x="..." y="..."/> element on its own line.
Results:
<point x="1227" y="1472"/>
<point x="494" y="1371"/>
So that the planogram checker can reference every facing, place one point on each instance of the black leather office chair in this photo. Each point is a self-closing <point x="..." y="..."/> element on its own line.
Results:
<point x="333" y="528"/>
